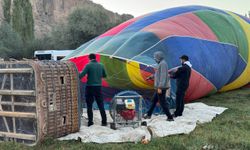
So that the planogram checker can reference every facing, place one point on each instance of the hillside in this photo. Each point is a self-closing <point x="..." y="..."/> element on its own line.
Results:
<point x="38" y="17"/>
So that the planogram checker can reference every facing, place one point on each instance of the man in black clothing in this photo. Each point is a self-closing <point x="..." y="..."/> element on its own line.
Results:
<point x="182" y="76"/>
<point x="95" y="72"/>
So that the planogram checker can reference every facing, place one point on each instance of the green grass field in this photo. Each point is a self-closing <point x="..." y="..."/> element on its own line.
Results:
<point x="231" y="130"/>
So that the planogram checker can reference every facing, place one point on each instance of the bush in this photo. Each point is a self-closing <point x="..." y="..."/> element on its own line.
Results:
<point x="11" y="44"/>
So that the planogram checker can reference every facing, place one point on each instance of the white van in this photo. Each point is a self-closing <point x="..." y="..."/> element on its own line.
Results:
<point x="51" y="54"/>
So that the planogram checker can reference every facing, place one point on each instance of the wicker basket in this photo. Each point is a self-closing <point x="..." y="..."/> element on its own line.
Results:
<point x="38" y="99"/>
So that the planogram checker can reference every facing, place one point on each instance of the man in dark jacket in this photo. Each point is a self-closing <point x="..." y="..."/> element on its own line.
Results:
<point x="161" y="84"/>
<point x="95" y="72"/>
<point x="182" y="76"/>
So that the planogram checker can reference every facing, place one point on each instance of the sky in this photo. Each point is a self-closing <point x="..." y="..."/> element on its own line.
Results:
<point x="141" y="7"/>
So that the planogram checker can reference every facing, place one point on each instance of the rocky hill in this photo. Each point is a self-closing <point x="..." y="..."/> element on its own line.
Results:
<point x="43" y="15"/>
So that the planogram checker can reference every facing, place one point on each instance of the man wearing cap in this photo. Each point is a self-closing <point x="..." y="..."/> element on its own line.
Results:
<point x="161" y="84"/>
<point x="182" y="76"/>
<point x="93" y="91"/>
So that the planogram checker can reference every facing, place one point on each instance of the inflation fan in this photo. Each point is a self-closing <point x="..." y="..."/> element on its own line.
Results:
<point x="126" y="110"/>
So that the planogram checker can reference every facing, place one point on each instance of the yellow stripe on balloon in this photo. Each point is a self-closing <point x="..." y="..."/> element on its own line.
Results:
<point x="134" y="72"/>
<point x="244" y="78"/>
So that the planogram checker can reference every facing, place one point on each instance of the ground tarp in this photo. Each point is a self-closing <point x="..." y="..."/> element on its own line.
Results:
<point x="194" y="113"/>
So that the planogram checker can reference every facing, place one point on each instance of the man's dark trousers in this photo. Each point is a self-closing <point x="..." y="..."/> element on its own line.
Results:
<point x="95" y="93"/>
<point x="163" y="102"/>
<point x="180" y="94"/>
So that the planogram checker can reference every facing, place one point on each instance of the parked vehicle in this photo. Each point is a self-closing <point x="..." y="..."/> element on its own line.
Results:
<point x="51" y="54"/>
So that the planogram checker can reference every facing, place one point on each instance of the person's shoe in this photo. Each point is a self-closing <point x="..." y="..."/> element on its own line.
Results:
<point x="90" y="124"/>
<point x="174" y="116"/>
<point x="146" y="116"/>
<point x="104" y="124"/>
<point x="170" y="119"/>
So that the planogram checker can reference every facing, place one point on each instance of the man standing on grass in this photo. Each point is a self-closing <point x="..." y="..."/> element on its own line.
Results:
<point x="93" y="91"/>
<point x="182" y="76"/>
<point x="161" y="84"/>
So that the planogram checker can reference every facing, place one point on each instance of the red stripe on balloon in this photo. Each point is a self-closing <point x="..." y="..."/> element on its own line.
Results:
<point x="147" y="71"/>
<point x="81" y="62"/>
<point x="182" y="25"/>
<point x="121" y="27"/>
<point x="198" y="87"/>
<point x="247" y="86"/>
<point x="118" y="28"/>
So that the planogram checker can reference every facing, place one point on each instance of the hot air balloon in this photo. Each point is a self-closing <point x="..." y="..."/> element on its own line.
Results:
<point x="216" y="41"/>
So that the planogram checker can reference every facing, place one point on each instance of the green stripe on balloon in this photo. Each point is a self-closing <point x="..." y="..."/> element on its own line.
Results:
<point x="117" y="73"/>
<point x="227" y="29"/>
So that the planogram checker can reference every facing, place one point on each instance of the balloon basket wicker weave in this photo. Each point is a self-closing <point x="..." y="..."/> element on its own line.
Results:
<point x="38" y="99"/>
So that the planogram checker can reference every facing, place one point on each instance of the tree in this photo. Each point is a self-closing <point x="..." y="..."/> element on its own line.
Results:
<point x="22" y="20"/>
<point x="82" y="25"/>
<point x="11" y="44"/>
<point x="85" y="24"/>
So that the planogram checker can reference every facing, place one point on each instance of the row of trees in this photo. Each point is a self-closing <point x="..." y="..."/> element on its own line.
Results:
<point x="81" y="26"/>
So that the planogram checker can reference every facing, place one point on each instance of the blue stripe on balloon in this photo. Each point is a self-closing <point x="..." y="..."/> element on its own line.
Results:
<point x="215" y="61"/>
<point x="241" y="66"/>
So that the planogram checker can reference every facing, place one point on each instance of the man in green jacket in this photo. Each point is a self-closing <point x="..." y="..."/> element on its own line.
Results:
<point x="93" y="91"/>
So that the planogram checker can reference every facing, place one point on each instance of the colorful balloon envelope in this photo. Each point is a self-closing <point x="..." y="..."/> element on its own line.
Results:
<point x="216" y="41"/>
